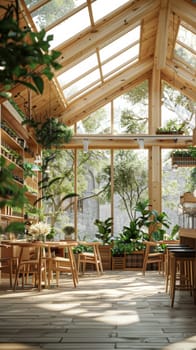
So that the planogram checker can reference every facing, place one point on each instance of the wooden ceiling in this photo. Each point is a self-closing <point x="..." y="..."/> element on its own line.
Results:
<point x="159" y="21"/>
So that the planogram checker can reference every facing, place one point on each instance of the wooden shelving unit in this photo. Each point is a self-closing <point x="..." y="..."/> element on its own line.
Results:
<point x="17" y="147"/>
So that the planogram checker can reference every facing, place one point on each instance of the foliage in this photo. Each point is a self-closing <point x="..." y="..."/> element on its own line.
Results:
<point x="154" y="221"/>
<point x="51" y="11"/>
<point x="190" y="152"/>
<point x="135" y="119"/>
<point x="130" y="180"/>
<point x="183" y="107"/>
<point x="118" y="248"/>
<point x="28" y="169"/>
<point x="104" y="230"/>
<point x="172" y="127"/>
<point x="50" y="133"/>
<point x="24" y="55"/>
<point x="11" y="194"/>
<point x="68" y="230"/>
<point x="148" y="224"/>
<point x="80" y="248"/>
<point x="57" y="185"/>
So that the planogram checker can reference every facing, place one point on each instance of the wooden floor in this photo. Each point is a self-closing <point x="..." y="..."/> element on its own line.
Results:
<point x="120" y="310"/>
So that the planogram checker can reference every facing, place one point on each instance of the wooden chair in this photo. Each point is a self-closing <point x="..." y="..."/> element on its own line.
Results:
<point x="151" y="257"/>
<point x="6" y="263"/>
<point x="93" y="258"/>
<point x="60" y="264"/>
<point x="31" y="263"/>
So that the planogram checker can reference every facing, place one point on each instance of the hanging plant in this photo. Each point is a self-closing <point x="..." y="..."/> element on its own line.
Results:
<point x="184" y="158"/>
<point x="50" y="133"/>
<point x="22" y="52"/>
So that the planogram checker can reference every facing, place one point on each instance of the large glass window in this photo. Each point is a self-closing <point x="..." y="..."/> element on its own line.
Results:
<point x="176" y="180"/>
<point x="94" y="183"/>
<point x="177" y="109"/>
<point x="131" y="111"/>
<point x="130" y="185"/>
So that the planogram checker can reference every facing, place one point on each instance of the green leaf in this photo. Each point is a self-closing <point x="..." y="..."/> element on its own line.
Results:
<point x="39" y="83"/>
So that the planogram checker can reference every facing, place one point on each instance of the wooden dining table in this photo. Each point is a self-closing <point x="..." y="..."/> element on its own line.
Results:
<point x="46" y="255"/>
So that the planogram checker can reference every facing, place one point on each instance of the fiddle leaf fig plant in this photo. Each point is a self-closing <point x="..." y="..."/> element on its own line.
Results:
<point x="24" y="55"/>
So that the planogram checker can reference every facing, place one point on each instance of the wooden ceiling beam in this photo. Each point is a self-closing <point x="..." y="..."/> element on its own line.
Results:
<point x="103" y="94"/>
<point x="162" y="35"/>
<point x="185" y="10"/>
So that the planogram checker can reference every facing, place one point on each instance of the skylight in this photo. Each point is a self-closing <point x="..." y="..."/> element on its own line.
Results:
<point x="185" y="46"/>
<point x="101" y="65"/>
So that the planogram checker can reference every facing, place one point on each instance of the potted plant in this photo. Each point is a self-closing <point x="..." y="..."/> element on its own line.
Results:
<point x="118" y="255"/>
<point x="132" y="237"/>
<point x="172" y="127"/>
<point x="184" y="158"/>
<point x="69" y="230"/>
<point x="104" y="234"/>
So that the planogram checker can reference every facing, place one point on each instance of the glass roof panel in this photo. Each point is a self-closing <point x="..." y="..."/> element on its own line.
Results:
<point x="187" y="37"/>
<point x="185" y="55"/>
<point x="101" y="8"/>
<point x="121" y="59"/>
<point x="78" y="70"/>
<point x="119" y="44"/>
<point x="69" y="27"/>
<point x="185" y="46"/>
<point x="52" y="11"/>
<point x="31" y="3"/>
<point x="82" y="84"/>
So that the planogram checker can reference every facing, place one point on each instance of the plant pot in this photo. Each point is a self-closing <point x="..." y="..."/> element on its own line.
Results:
<point x="134" y="261"/>
<point x="183" y="161"/>
<point x="118" y="262"/>
<point x="106" y="256"/>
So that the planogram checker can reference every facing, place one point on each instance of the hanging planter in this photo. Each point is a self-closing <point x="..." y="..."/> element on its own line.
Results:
<point x="182" y="158"/>
<point x="172" y="127"/>
<point x="50" y="133"/>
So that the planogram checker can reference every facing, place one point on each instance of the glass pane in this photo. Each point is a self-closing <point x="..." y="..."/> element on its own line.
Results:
<point x="31" y="3"/>
<point x="187" y="37"/>
<point x="175" y="182"/>
<point x="61" y="167"/>
<point x="121" y="59"/>
<point x="130" y="185"/>
<point x="119" y="44"/>
<point x="177" y="110"/>
<point x="98" y="122"/>
<point x="185" y="55"/>
<point x="78" y="70"/>
<point x="69" y="27"/>
<point x="94" y="203"/>
<point x="101" y="8"/>
<point x="82" y="84"/>
<point x="131" y="111"/>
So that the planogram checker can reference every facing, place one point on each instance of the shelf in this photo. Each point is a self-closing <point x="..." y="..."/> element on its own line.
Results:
<point x="16" y="147"/>
<point x="12" y="142"/>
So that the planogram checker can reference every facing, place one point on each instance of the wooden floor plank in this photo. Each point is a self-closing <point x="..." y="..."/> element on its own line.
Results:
<point x="118" y="310"/>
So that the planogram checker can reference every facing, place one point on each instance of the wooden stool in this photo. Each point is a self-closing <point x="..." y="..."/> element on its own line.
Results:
<point x="183" y="258"/>
<point x="167" y="261"/>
